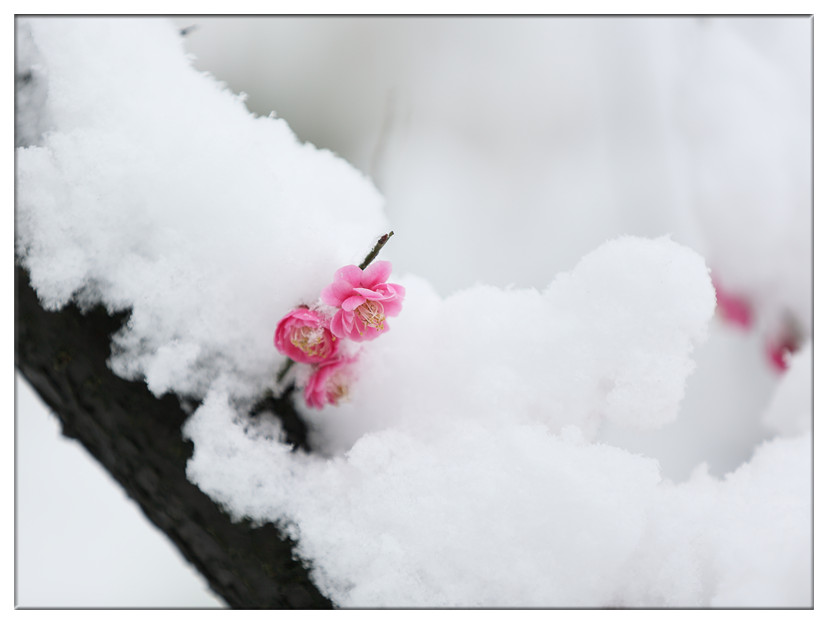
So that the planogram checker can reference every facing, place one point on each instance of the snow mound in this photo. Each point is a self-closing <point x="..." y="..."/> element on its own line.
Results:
<point x="464" y="470"/>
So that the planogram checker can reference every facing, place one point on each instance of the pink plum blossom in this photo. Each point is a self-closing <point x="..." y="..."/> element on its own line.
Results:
<point x="733" y="308"/>
<point x="329" y="383"/>
<point x="304" y="336"/>
<point x="778" y="351"/>
<point x="364" y="300"/>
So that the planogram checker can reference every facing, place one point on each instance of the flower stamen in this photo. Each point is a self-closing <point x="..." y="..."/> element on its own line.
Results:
<point x="338" y="390"/>
<point x="310" y="340"/>
<point x="371" y="314"/>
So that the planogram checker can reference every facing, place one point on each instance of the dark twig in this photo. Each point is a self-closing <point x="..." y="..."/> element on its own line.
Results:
<point x="294" y="428"/>
<point x="284" y="370"/>
<point x="373" y="254"/>
<point x="136" y="436"/>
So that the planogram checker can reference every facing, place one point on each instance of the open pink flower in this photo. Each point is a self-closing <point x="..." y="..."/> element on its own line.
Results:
<point x="303" y="336"/>
<point x="329" y="383"/>
<point x="364" y="300"/>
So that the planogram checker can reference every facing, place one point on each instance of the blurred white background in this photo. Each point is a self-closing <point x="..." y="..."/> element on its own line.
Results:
<point x="550" y="136"/>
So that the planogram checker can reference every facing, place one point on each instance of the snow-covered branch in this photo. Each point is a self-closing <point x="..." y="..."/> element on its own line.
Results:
<point x="469" y="466"/>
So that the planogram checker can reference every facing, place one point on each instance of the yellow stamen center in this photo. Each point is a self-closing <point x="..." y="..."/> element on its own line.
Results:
<point x="310" y="340"/>
<point x="370" y="313"/>
<point x="337" y="390"/>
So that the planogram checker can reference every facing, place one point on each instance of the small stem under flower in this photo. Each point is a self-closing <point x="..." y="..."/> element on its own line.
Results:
<point x="284" y="370"/>
<point x="373" y="254"/>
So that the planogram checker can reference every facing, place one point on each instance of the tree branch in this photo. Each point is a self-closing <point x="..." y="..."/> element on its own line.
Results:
<point x="137" y="438"/>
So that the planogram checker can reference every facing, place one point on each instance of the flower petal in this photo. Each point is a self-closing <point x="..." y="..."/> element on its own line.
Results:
<point x="392" y="307"/>
<point x="337" y="325"/>
<point x="397" y="290"/>
<point x="336" y="293"/>
<point x="373" y="295"/>
<point x="369" y="333"/>
<point x="348" y="321"/>
<point x="376" y="273"/>
<point x="351" y="303"/>
<point x="351" y="274"/>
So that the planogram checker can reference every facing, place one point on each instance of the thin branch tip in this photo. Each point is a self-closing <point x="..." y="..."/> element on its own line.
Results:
<point x="373" y="253"/>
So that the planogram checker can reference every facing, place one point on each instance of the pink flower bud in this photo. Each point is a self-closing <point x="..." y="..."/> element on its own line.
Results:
<point x="304" y="336"/>
<point x="733" y="308"/>
<point x="364" y="300"/>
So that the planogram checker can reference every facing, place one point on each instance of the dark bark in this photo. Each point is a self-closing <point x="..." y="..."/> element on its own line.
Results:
<point x="137" y="438"/>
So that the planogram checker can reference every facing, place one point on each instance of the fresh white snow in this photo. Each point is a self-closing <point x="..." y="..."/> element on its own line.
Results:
<point x="481" y="460"/>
